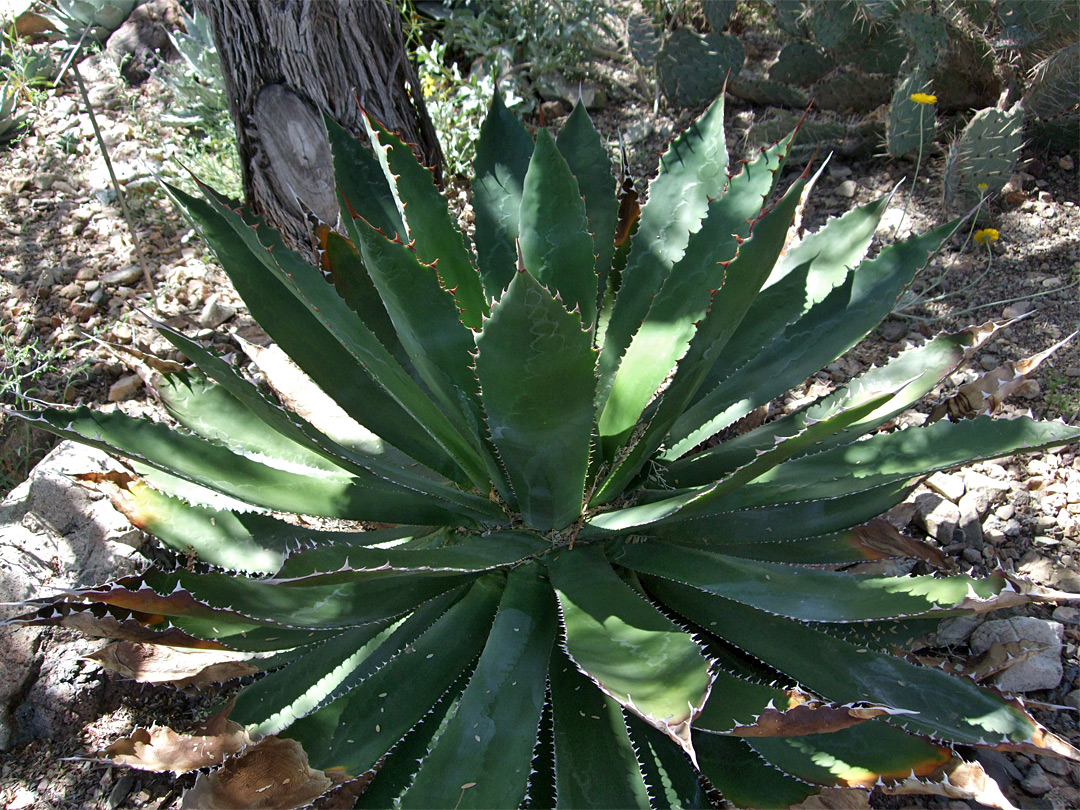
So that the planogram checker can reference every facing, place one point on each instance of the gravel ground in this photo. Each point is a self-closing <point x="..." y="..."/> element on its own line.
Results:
<point x="68" y="271"/>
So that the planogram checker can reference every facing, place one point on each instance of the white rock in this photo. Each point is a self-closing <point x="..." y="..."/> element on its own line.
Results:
<point x="846" y="189"/>
<point x="125" y="388"/>
<point x="938" y="516"/>
<point x="947" y="484"/>
<point x="1043" y="669"/>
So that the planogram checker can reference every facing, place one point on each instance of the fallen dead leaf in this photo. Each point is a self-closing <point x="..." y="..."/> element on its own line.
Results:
<point x="958" y="780"/>
<point x="181" y="666"/>
<point x="162" y="749"/>
<point x="271" y="775"/>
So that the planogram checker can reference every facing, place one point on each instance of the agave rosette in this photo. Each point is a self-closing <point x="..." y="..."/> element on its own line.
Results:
<point x="571" y="603"/>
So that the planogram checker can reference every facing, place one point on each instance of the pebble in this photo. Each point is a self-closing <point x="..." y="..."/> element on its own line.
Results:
<point x="1043" y="669"/>
<point x="125" y="388"/>
<point x="846" y="189"/>
<point x="214" y="314"/>
<point x="1036" y="782"/>
<point x="938" y="516"/>
<point x="1066" y="162"/>
<point x="949" y="485"/>
<point x="1067" y="615"/>
<point x="1018" y="309"/>
<point x="123" y="275"/>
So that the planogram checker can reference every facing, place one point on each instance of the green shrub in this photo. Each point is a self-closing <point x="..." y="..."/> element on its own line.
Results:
<point x="574" y="604"/>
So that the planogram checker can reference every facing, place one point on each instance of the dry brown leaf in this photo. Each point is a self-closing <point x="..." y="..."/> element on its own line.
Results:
<point x="162" y="749"/>
<point x="879" y="539"/>
<point x="988" y="392"/>
<point x="87" y="623"/>
<point x="272" y="775"/>
<point x="805" y="715"/>
<point x="181" y="666"/>
<point x="958" y="780"/>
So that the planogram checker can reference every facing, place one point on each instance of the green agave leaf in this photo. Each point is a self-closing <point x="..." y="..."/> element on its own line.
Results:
<point x="300" y="334"/>
<point x="427" y="219"/>
<point x="672" y="778"/>
<point x="634" y="653"/>
<point x="590" y="163"/>
<point x="489" y="741"/>
<point x="346" y="496"/>
<point x="933" y="703"/>
<point x="829" y="329"/>
<point x="503" y="152"/>
<point x="735" y="702"/>
<point x="690" y="289"/>
<point x="801" y="593"/>
<point x="688" y="503"/>
<point x="715" y="324"/>
<point x="909" y="377"/>
<point x="541" y="792"/>
<point x="361" y="183"/>
<point x="775" y="522"/>
<point x="469" y="554"/>
<point x="595" y="763"/>
<point x="857" y="756"/>
<point x="271" y="704"/>
<point x="535" y="366"/>
<point x="745" y="779"/>
<point x="350" y="278"/>
<point x="692" y="172"/>
<point x="356" y="731"/>
<point x="359" y="598"/>
<point x="555" y="243"/>
<point x="900" y="456"/>
<point x="427" y="321"/>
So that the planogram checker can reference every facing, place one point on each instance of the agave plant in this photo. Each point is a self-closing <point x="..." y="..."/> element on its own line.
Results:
<point x="563" y="591"/>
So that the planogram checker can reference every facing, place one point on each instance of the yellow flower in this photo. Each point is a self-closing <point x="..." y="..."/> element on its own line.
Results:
<point x="983" y="186"/>
<point x="986" y="236"/>
<point x="923" y="98"/>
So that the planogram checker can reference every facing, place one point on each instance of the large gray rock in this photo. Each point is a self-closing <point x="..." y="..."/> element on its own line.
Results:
<point x="1039" y="639"/>
<point x="54" y="534"/>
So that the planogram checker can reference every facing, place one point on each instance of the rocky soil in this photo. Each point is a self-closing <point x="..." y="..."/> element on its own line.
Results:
<point x="69" y="278"/>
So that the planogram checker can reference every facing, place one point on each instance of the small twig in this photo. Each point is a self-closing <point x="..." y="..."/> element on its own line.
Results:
<point x="116" y="184"/>
<point x="985" y="306"/>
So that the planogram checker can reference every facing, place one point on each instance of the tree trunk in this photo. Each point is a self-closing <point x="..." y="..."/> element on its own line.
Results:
<point x="285" y="63"/>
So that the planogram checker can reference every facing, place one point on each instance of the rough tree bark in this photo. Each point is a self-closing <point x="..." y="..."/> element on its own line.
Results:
<point x="285" y="63"/>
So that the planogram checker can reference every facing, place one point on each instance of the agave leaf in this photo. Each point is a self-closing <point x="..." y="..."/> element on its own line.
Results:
<point x="427" y="321"/>
<point x="671" y="776"/>
<point x="503" y="153"/>
<point x="744" y="777"/>
<point x="689" y="291"/>
<point x="350" y="278"/>
<point x="595" y="763"/>
<point x="535" y="366"/>
<point x="742" y="278"/>
<point x="686" y="504"/>
<point x="802" y="593"/>
<point x="909" y="376"/>
<point x="218" y="468"/>
<point x="956" y="780"/>
<point x="329" y="669"/>
<point x="692" y="172"/>
<point x="356" y="731"/>
<point x="932" y="703"/>
<point x="429" y="228"/>
<point x="634" y="653"/>
<point x="588" y="159"/>
<point x="555" y="243"/>
<point x="875" y="540"/>
<point x="490" y="739"/>
<point x="301" y="334"/>
<point x="469" y="554"/>
<point x="858" y="756"/>
<point x="364" y="191"/>
<point x="829" y="329"/>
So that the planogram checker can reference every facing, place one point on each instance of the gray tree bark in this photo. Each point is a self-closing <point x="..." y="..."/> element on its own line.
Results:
<point x="285" y="63"/>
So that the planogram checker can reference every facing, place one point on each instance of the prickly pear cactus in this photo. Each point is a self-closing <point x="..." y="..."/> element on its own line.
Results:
<point x="692" y="68"/>
<point x="910" y="123"/>
<point x="927" y="34"/>
<point x="983" y="157"/>
<point x="801" y="63"/>
<point x="767" y="93"/>
<point x="718" y="12"/>
<point x="643" y="39"/>
<point x="836" y="24"/>
<point x="1054" y="86"/>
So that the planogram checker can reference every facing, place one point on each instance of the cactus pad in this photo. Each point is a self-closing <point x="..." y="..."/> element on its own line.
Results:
<point x="718" y="12"/>
<point x="643" y="40"/>
<point x="928" y="35"/>
<point x="986" y="152"/>
<point x="800" y="63"/>
<point x="692" y="68"/>
<point x="910" y="123"/>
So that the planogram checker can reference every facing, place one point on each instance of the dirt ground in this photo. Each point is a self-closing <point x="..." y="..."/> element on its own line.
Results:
<point x="69" y="277"/>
